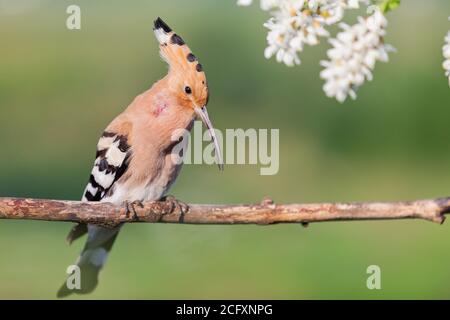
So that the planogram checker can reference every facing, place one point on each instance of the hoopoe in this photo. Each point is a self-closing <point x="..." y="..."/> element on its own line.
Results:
<point x="134" y="161"/>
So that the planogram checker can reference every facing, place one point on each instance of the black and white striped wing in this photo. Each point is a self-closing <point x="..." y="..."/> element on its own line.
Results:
<point x="112" y="160"/>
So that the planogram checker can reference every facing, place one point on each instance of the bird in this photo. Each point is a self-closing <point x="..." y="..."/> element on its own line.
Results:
<point x="133" y="162"/>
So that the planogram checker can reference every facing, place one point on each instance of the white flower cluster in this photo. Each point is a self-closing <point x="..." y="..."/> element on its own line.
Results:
<point x="296" y="23"/>
<point x="446" y="53"/>
<point x="353" y="55"/>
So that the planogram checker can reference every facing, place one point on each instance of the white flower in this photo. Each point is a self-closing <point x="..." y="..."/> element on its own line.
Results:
<point x="353" y="55"/>
<point x="268" y="5"/>
<point x="244" y="2"/>
<point x="446" y="53"/>
<point x="279" y="38"/>
<point x="290" y="28"/>
<point x="332" y="11"/>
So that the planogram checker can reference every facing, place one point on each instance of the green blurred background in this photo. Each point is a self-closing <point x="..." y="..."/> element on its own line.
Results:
<point x="60" y="88"/>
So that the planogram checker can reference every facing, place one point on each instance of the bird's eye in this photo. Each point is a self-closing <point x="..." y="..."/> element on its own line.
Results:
<point x="188" y="90"/>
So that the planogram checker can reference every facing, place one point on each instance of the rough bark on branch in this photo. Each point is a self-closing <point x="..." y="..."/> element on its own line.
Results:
<point x="266" y="212"/>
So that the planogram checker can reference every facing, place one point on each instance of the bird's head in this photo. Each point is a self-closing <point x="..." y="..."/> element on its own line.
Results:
<point x="187" y="80"/>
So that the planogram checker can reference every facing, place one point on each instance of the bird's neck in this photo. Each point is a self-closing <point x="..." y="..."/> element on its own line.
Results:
<point x="158" y="114"/>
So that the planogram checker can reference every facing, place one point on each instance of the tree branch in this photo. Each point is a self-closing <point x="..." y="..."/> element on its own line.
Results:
<point x="265" y="213"/>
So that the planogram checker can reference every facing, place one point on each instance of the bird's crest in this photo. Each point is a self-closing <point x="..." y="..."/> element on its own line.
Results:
<point x="174" y="50"/>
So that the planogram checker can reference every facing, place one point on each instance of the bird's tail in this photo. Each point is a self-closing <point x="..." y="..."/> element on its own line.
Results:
<point x="90" y="262"/>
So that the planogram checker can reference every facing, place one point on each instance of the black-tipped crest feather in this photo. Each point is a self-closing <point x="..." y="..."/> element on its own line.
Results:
<point x="160" y="24"/>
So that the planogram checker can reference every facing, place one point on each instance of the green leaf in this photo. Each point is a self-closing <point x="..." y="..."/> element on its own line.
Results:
<point x="388" y="5"/>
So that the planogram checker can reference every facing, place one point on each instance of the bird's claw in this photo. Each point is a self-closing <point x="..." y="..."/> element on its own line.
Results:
<point x="176" y="204"/>
<point x="130" y="207"/>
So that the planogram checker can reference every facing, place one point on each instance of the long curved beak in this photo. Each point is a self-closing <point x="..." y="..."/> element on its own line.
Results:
<point x="203" y="114"/>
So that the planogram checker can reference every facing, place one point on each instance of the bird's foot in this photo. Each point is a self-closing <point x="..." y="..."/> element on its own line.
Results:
<point x="175" y="204"/>
<point x="130" y="207"/>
